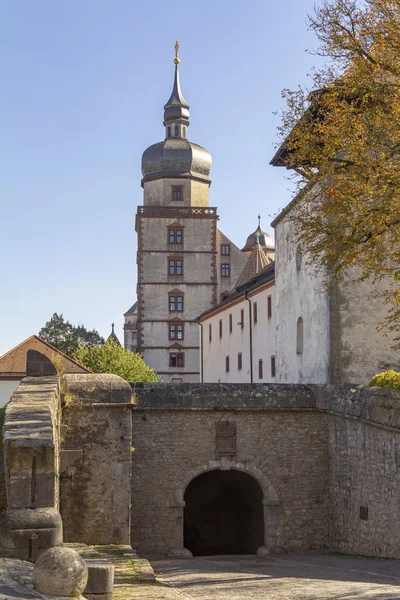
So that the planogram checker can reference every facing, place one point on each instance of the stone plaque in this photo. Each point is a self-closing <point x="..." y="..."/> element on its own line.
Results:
<point x="225" y="439"/>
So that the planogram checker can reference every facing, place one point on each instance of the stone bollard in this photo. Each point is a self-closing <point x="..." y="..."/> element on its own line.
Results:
<point x="100" y="579"/>
<point x="60" y="572"/>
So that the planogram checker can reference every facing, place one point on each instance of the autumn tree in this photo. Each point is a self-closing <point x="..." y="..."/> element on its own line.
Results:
<point x="112" y="358"/>
<point x="342" y="138"/>
<point x="67" y="337"/>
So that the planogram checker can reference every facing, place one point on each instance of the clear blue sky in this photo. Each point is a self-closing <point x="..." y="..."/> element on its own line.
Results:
<point x="83" y="88"/>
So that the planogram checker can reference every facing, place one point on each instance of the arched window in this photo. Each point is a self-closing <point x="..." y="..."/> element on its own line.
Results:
<point x="299" y="258"/>
<point x="299" y="336"/>
<point x="169" y="131"/>
<point x="177" y="130"/>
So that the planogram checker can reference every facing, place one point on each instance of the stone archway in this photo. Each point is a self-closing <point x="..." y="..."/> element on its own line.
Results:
<point x="269" y="501"/>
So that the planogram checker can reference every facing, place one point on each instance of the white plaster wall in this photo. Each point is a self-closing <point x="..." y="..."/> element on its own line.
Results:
<point x="231" y="344"/>
<point x="299" y="294"/>
<point x="7" y="388"/>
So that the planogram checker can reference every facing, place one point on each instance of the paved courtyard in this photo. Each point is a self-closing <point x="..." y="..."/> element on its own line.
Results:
<point x="282" y="577"/>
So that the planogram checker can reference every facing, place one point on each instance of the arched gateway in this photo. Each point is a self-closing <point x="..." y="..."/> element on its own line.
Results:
<point x="225" y="507"/>
<point x="223" y="514"/>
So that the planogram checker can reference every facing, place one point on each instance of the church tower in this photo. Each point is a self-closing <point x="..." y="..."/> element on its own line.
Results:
<point x="177" y="257"/>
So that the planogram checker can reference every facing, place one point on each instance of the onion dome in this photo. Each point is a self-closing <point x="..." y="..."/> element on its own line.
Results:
<point x="176" y="156"/>
<point x="259" y="237"/>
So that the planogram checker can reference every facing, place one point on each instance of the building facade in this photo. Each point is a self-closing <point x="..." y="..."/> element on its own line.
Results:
<point x="184" y="262"/>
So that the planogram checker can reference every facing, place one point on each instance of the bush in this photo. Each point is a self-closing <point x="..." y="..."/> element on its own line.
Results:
<point x="390" y="379"/>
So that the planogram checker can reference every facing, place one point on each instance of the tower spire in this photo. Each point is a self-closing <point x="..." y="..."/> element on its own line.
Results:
<point x="176" y="111"/>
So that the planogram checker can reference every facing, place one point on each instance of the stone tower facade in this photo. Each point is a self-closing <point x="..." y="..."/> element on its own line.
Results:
<point x="184" y="262"/>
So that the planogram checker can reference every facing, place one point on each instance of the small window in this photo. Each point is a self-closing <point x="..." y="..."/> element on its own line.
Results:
<point x="299" y="341"/>
<point x="175" y="332"/>
<point x="269" y="306"/>
<point x="176" y="192"/>
<point x="230" y="323"/>
<point x="209" y="332"/>
<point x="227" y="364"/>
<point x="242" y="319"/>
<point x="175" y="266"/>
<point x="273" y="372"/>
<point x="299" y="258"/>
<point x="225" y="270"/>
<point x="176" y="303"/>
<point x="225" y="249"/>
<point x="239" y="361"/>
<point x="255" y="312"/>
<point x="169" y="131"/>
<point x="260" y="369"/>
<point x="176" y="130"/>
<point x="175" y="236"/>
<point x="177" y="359"/>
<point x="220" y="328"/>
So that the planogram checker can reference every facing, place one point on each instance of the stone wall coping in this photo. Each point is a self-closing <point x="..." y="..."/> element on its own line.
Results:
<point x="377" y="406"/>
<point x="98" y="388"/>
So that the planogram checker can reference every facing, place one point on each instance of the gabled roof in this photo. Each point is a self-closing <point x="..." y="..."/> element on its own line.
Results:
<point x="13" y="362"/>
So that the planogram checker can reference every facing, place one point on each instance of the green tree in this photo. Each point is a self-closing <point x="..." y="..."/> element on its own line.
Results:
<point x="112" y="358"/>
<point x="67" y="337"/>
<point x="343" y="142"/>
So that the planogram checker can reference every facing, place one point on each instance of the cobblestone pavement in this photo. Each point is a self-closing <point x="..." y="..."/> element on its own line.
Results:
<point x="281" y="577"/>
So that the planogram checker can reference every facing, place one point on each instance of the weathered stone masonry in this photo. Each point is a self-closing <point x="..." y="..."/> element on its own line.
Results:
<point x="321" y="455"/>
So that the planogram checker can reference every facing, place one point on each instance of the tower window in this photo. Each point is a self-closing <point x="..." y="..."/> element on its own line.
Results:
<point x="269" y="306"/>
<point x="299" y="341"/>
<point x="176" y="130"/>
<point x="183" y="131"/>
<point x="175" y="236"/>
<point x="169" y="131"/>
<point x="273" y="370"/>
<point x="175" y="266"/>
<point x="225" y="270"/>
<point x="175" y="331"/>
<point x="177" y="359"/>
<point x="176" y="303"/>
<point x="177" y="192"/>
<point x="260" y="369"/>
<point x="225" y="249"/>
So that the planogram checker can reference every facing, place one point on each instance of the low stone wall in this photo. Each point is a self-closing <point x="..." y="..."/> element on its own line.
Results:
<point x="96" y="459"/>
<point x="31" y="460"/>
<point x="327" y="459"/>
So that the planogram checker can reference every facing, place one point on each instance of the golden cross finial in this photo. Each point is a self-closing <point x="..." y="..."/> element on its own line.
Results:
<point x="176" y="60"/>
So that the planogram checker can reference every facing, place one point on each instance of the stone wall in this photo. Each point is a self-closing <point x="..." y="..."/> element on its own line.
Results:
<point x="326" y="458"/>
<point x="96" y="459"/>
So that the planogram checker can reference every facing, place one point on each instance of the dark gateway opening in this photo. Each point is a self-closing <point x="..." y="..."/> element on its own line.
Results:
<point x="223" y="514"/>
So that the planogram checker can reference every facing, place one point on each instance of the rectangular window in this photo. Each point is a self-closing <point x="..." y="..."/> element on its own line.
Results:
<point x="176" y="303"/>
<point x="269" y="306"/>
<point x="176" y="192"/>
<point x="225" y="249"/>
<point x="209" y="333"/>
<point x="227" y="364"/>
<point x="175" y="236"/>
<point x="175" y="267"/>
<point x="177" y="359"/>
<point x="255" y="312"/>
<point x="175" y="332"/>
<point x="242" y="319"/>
<point x="220" y="328"/>
<point x="239" y="361"/>
<point x="273" y="366"/>
<point x="230" y="323"/>
<point x="260" y="368"/>
<point x="225" y="270"/>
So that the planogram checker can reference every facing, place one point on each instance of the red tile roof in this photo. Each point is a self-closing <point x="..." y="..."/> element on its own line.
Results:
<point x="13" y="362"/>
